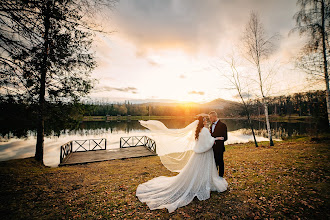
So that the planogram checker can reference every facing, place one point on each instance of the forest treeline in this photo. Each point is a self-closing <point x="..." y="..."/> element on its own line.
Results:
<point x="311" y="103"/>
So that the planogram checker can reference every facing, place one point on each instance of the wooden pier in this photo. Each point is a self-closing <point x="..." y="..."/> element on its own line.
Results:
<point x="95" y="150"/>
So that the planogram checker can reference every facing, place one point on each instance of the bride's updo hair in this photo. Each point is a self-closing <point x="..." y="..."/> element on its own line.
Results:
<point x="199" y="126"/>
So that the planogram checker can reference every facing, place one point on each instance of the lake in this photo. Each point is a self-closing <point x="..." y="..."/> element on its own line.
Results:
<point x="238" y="132"/>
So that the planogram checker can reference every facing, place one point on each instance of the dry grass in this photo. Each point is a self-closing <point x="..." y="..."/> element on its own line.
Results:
<point x="290" y="180"/>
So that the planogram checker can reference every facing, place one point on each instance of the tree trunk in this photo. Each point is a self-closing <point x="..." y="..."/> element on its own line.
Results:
<point x="325" y="62"/>
<point x="275" y="110"/>
<point x="251" y="126"/>
<point x="271" y="143"/>
<point x="39" y="155"/>
<point x="249" y="119"/>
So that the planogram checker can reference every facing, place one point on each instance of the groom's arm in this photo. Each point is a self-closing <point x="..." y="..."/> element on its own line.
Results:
<point x="222" y="134"/>
<point x="225" y="135"/>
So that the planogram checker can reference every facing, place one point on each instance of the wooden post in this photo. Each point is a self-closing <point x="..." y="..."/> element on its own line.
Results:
<point x="61" y="159"/>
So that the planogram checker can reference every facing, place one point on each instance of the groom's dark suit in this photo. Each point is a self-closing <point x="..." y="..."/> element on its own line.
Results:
<point x="220" y="130"/>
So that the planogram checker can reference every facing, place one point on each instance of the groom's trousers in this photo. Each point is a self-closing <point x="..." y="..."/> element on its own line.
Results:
<point x="218" y="156"/>
<point x="220" y="130"/>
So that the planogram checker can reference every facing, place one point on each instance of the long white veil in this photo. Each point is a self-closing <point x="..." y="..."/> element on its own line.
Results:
<point x="173" y="146"/>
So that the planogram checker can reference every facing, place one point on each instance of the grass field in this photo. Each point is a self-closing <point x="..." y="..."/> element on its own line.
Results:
<point x="290" y="180"/>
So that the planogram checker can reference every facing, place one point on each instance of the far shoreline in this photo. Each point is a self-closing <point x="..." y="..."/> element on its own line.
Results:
<point x="273" y="118"/>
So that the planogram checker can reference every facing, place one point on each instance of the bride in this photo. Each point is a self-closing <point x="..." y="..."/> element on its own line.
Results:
<point x="189" y="152"/>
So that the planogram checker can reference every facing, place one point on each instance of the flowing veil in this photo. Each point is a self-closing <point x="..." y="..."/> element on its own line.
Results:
<point x="173" y="146"/>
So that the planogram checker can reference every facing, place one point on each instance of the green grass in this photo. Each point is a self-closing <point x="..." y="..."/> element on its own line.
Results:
<point x="290" y="180"/>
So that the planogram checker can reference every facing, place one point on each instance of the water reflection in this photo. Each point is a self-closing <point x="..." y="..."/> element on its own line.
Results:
<point x="20" y="147"/>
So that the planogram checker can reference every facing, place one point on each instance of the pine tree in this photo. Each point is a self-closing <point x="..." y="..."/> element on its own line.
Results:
<point x="45" y="55"/>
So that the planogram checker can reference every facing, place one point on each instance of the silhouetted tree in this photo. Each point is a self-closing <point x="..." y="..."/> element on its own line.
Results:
<point x="45" y="54"/>
<point x="313" y="21"/>
<point x="235" y="79"/>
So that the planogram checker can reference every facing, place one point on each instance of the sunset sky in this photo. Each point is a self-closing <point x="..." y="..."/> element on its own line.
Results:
<point x="168" y="50"/>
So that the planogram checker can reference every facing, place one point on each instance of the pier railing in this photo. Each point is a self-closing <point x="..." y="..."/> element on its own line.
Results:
<point x="82" y="145"/>
<point x="135" y="141"/>
<point x="101" y="144"/>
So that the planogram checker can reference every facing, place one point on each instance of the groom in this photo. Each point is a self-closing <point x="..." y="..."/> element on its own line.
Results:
<point x="218" y="129"/>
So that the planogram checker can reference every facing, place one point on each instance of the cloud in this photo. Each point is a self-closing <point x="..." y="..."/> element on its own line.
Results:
<point x="153" y="63"/>
<point x="109" y="89"/>
<point x="158" y="40"/>
<point x="196" y="93"/>
<point x="245" y="95"/>
<point x="168" y="24"/>
<point x="194" y="25"/>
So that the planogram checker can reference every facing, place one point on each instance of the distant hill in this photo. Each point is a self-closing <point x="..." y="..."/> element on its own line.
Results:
<point x="215" y="104"/>
<point x="220" y="104"/>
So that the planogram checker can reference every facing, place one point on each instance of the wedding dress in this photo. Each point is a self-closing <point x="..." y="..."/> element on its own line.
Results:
<point x="197" y="178"/>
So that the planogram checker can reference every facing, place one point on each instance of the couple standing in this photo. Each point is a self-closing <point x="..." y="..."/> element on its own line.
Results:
<point x="200" y="174"/>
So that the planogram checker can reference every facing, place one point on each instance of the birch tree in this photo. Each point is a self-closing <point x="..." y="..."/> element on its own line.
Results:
<point x="258" y="47"/>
